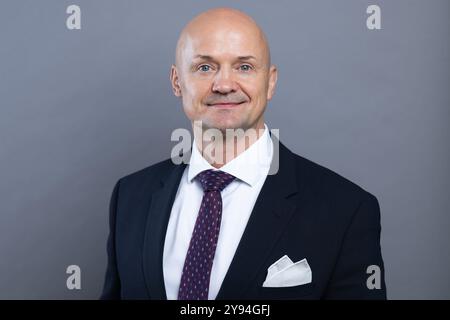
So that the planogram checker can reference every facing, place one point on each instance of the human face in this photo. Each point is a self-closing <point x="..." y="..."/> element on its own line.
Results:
<point x="223" y="76"/>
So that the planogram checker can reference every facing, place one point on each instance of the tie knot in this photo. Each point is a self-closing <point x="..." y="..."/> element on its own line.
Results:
<point x="214" y="180"/>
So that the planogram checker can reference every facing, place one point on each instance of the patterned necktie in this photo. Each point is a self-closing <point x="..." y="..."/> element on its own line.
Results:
<point x="196" y="274"/>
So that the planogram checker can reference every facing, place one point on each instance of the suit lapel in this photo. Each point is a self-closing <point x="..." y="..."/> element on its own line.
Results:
<point x="270" y="216"/>
<point x="155" y="231"/>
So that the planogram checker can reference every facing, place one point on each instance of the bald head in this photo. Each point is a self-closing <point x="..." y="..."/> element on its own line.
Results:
<point x="222" y="71"/>
<point x="222" y="24"/>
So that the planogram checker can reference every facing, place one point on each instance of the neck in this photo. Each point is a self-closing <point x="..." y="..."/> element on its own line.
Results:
<point x="219" y="147"/>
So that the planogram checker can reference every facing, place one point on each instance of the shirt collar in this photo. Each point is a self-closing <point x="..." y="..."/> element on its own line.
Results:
<point x="247" y="167"/>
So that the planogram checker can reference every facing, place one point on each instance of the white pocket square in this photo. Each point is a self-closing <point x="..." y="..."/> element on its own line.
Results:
<point x="286" y="273"/>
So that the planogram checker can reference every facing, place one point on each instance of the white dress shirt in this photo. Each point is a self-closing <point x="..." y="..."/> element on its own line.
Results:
<point x="250" y="169"/>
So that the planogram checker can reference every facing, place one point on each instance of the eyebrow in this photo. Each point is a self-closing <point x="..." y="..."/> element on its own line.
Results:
<point x="209" y="58"/>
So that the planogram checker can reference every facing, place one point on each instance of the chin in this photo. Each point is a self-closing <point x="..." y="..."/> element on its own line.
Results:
<point x="223" y="124"/>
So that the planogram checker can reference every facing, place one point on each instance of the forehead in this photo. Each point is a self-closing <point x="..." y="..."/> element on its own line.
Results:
<point x="223" y="42"/>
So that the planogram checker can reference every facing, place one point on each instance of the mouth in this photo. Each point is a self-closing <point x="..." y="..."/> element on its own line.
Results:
<point x="226" y="105"/>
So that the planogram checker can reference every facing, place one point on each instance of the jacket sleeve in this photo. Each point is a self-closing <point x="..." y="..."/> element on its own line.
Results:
<point x="359" y="271"/>
<point x="111" y="287"/>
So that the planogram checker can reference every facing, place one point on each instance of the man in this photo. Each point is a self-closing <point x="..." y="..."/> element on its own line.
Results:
<point x="223" y="227"/>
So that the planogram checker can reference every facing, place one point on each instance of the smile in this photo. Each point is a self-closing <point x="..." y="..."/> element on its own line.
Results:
<point x="226" y="105"/>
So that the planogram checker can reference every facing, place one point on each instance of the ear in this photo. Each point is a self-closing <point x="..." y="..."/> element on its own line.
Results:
<point x="273" y="77"/>
<point x="175" y="81"/>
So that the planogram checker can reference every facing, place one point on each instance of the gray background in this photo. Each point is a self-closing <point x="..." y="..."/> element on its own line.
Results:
<point x="81" y="108"/>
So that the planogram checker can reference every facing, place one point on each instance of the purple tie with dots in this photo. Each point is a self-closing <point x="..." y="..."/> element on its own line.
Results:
<point x="196" y="274"/>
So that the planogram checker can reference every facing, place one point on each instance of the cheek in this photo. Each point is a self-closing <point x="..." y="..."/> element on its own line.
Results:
<point x="257" y="93"/>
<point x="257" y="86"/>
<point x="195" y="92"/>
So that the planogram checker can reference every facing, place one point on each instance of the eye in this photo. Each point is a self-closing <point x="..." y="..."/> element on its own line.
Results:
<point x="246" y="67"/>
<point x="204" y="68"/>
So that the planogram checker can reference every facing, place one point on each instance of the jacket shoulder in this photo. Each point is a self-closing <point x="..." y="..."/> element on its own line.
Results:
<point x="326" y="182"/>
<point x="151" y="173"/>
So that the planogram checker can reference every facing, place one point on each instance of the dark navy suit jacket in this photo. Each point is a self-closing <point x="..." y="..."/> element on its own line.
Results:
<point x="303" y="211"/>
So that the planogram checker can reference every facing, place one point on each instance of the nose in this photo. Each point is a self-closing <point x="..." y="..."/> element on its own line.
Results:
<point x="224" y="82"/>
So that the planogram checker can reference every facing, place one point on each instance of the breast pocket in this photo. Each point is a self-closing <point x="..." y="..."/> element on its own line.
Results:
<point x="300" y="292"/>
